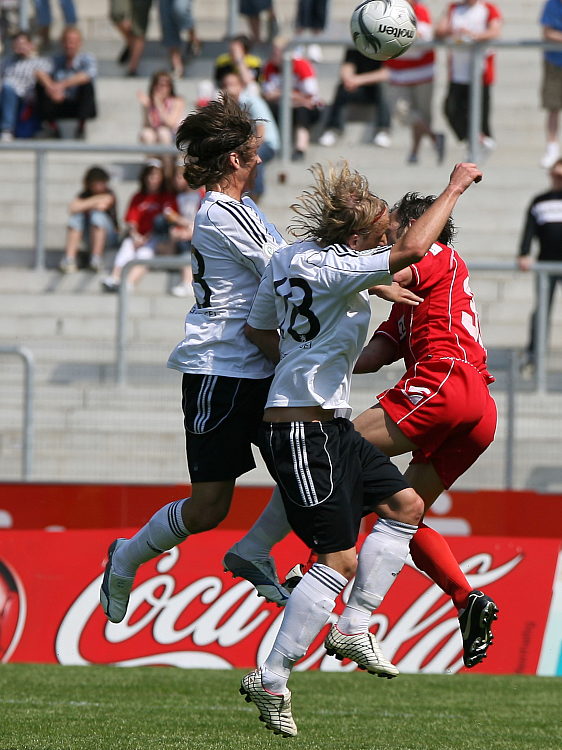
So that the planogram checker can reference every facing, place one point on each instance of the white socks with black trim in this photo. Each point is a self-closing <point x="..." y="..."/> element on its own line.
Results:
<point x="381" y="558"/>
<point x="271" y="527"/>
<point x="162" y="532"/>
<point x="306" y="613"/>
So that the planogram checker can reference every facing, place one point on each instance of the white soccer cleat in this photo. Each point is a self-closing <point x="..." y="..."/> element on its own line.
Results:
<point x="260" y="573"/>
<point x="115" y="590"/>
<point x="275" y="709"/>
<point x="363" y="649"/>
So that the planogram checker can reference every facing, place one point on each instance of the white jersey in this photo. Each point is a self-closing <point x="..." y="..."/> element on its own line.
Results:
<point x="231" y="246"/>
<point x="318" y="300"/>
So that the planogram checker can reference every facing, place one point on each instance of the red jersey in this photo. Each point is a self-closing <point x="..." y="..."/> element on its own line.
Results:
<point x="445" y="324"/>
<point x="145" y="207"/>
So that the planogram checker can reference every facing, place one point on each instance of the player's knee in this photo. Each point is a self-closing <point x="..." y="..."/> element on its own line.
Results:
<point x="412" y="508"/>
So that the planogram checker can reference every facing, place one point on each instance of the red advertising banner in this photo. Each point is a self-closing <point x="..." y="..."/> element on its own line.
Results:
<point x="185" y="611"/>
<point x="98" y="506"/>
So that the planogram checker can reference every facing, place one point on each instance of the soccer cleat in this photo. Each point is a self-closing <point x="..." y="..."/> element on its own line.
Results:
<point x="275" y="709"/>
<point x="115" y="590"/>
<point x="476" y="627"/>
<point x="293" y="577"/>
<point x="260" y="573"/>
<point x="363" y="649"/>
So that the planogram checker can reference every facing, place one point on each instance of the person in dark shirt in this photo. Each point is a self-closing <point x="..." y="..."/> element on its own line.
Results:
<point x="361" y="82"/>
<point x="544" y="223"/>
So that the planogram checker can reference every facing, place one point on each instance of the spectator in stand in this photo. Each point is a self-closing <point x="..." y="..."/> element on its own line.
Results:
<point x="139" y="11"/>
<point x="121" y="17"/>
<point x="176" y="16"/>
<point x="162" y="112"/>
<point x="142" y="242"/>
<point x="305" y="99"/>
<point x="551" y="22"/>
<point x="312" y="16"/>
<point x="93" y="214"/>
<point x="411" y="87"/>
<point x="361" y="82"/>
<point x="252" y="9"/>
<point x="44" y="19"/>
<point x="65" y="90"/>
<point x="226" y="62"/>
<point x="543" y="222"/>
<point x="181" y="226"/>
<point x="469" y="21"/>
<point x="266" y="129"/>
<point x="17" y="98"/>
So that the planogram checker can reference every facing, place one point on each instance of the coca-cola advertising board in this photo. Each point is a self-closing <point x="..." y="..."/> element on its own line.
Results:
<point x="185" y="611"/>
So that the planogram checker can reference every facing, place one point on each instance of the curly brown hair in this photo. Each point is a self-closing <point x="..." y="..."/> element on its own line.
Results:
<point x="338" y="205"/>
<point x="413" y="205"/>
<point x="209" y="135"/>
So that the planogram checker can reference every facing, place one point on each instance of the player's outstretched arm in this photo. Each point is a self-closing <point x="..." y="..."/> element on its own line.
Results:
<point x="379" y="351"/>
<point x="419" y="237"/>
<point x="266" y="341"/>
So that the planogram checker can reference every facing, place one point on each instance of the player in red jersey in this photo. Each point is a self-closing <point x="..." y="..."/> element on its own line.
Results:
<point x="441" y="409"/>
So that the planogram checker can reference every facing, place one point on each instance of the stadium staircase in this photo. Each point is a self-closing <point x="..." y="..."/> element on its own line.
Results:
<point x="87" y="428"/>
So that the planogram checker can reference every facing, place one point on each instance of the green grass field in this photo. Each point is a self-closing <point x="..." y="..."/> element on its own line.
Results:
<point x="48" y="707"/>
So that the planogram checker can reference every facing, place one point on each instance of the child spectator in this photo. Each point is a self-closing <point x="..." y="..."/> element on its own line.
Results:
<point x="93" y="214"/>
<point x="141" y="242"/>
<point x="162" y="111"/>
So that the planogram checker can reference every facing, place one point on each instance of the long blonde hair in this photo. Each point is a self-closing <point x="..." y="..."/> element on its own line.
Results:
<point x="338" y="205"/>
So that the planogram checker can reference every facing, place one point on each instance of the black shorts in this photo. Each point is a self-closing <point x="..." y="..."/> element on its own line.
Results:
<point x="329" y="477"/>
<point x="221" y="419"/>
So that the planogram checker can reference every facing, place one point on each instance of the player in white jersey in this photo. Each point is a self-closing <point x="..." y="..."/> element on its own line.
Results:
<point x="328" y="475"/>
<point x="226" y="378"/>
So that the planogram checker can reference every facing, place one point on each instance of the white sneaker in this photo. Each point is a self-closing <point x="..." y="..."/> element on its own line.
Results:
<point x="6" y="136"/>
<point x="96" y="263"/>
<point x="275" y="709"/>
<point x="382" y="139"/>
<point x="260" y="573"/>
<point x="363" y="649"/>
<point x="115" y="590"/>
<point x="110" y="285"/>
<point x="68" y="265"/>
<point x="551" y="155"/>
<point x="314" y="53"/>
<point x="181" y="290"/>
<point x="329" y="138"/>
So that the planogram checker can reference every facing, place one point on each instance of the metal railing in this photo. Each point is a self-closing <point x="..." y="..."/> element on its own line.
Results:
<point x="27" y="425"/>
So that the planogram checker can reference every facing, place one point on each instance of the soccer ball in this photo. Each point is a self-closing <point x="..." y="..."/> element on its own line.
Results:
<point x="383" y="29"/>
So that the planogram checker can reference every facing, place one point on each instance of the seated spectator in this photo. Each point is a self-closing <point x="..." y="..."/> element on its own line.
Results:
<point x="226" y="62"/>
<point x="305" y="99"/>
<point x="93" y="214"/>
<point x="142" y="242"/>
<point x="411" y="87"/>
<point x="65" y="90"/>
<point x="17" y="98"/>
<point x="176" y="16"/>
<point x="361" y="82"/>
<point x="266" y="128"/>
<point x="44" y="19"/>
<point x="162" y="112"/>
<point x="181" y="226"/>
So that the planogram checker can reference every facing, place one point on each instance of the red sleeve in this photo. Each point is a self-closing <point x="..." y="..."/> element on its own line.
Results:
<point x="430" y="269"/>
<point x="493" y="12"/>
<point x="169" y="201"/>
<point x="422" y="13"/>
<point x="132" y="216"/>
<point x="303" y="69"/>
<point x="389" y="327"/>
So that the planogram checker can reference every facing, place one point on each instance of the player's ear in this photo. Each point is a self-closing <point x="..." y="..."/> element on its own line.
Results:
<point x="352" y="241"/>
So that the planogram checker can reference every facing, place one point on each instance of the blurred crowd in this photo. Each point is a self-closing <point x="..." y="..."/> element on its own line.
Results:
<point x="44" y="84"/>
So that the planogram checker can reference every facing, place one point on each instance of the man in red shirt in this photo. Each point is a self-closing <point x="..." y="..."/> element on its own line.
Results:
<point x="441" y="409"/>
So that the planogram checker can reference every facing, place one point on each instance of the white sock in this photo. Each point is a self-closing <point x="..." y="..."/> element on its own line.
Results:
<point x="306" y="613"/>
<point x="271" y="527"/>
<point x="382" y="557"/>
<point x="163" y="531"/>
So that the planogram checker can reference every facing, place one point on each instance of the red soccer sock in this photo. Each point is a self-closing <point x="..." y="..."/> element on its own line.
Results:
<point x="431" y="553"/>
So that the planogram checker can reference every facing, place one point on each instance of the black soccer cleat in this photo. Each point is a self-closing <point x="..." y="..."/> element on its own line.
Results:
<point x="476" y="627"/>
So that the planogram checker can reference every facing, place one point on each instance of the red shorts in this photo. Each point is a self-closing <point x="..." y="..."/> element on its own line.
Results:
<point x="444" y="407"/>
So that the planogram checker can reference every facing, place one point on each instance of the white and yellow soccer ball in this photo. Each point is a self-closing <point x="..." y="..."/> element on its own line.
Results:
<point x="383" y="29"/>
